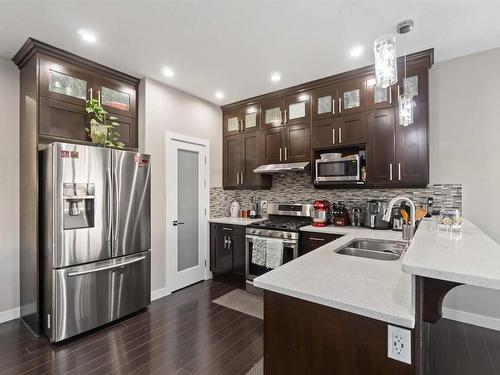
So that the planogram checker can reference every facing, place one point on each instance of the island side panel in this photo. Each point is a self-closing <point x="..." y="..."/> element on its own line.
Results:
<point x="302" y="337"/>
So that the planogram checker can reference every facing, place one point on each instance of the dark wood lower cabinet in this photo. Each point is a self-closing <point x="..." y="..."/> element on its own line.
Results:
<point x="227" y="249"/>
<point x="302" y="337"/>
<point x="311" y="241"/>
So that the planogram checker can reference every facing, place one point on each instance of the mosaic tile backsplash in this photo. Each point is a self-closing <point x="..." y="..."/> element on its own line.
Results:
<point x="297" y="188"/>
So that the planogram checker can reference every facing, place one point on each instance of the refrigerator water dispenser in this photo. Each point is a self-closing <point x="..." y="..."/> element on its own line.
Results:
<point x="78" y="205"/>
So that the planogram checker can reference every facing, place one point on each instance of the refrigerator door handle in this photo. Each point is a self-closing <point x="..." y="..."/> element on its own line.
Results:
<point x="109" y="191"/>
<point x="110" y="267"/>
<point x="115" y="205"/>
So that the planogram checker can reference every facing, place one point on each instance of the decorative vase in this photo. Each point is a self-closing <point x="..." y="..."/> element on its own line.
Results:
<point x="98" y="134"/>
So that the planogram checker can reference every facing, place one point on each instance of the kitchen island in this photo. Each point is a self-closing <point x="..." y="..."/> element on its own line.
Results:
<point x="350" y="302"/>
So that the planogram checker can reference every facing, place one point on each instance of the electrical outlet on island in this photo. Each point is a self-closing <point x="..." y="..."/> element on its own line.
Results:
<point x="399" y="344"/>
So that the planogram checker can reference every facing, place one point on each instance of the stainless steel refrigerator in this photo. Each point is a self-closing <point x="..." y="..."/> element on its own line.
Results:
<point x="95" y="237"/>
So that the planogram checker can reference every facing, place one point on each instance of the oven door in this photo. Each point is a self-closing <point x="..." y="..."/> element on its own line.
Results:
<point x="290" y="252"/>
<point x="338" y="170"/>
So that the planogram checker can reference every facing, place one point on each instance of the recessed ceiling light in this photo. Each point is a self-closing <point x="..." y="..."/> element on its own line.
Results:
<point x="219" y="94"/>
<point x="168" y="72"/>
<point x="275" y="77"/>
<point x="357" y="51"/>
<point x="87" y="35"/>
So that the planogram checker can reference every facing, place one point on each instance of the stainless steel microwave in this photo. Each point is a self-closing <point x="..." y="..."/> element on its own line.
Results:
<point x="346" y="169"/>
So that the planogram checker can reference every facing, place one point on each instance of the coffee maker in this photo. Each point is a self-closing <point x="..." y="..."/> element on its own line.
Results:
<point x="375" y="210"/>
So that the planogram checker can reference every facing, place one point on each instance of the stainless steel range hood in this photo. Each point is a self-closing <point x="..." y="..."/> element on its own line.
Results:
<point x="283" y="168"/>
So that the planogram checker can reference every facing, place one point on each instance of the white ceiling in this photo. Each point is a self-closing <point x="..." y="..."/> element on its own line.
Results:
<point x="234" y="46"/>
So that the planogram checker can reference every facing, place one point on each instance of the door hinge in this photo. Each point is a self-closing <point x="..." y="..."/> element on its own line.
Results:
<point x="205" y="183"/>
<point x="205" y="262"/>
<point x="205" y="160"/>
<point x="205" y="212"/>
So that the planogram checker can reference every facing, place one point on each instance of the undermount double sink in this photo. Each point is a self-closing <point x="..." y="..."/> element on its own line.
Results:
<point x="374" y="249"/>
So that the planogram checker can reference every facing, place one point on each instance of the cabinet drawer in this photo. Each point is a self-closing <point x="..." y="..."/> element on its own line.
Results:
<point x="312" y="240"/>
<point x="237" y="230"/>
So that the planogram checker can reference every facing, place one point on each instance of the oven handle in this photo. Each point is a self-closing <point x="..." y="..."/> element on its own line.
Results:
<point x="285" y="242"/>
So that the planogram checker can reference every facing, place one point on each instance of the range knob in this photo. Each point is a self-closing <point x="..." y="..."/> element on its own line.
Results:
<point x="288" y="235"/>
<point x="254" y="231"/>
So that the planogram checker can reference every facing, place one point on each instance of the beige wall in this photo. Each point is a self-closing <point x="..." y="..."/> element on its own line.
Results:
<point x="167" y="109"/>
<point x="9" y="187"/>
<point x="465" y="148"/>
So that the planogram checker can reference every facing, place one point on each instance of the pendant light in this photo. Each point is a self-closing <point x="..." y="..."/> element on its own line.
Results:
<point x="386" y="68"/>
<point x="405" y="100"/>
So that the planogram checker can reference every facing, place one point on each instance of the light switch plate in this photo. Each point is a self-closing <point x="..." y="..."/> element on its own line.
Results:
<point x="399" y="344"/>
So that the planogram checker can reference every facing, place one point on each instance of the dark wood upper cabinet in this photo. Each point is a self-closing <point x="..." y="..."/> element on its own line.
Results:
<point x="380" y="146"/>
<point x="397" y="155"/>
<point x="351" y="129"/>
<point x="242" y="120"/>
<point x="297" y="109"/>
<point x="297" y="143"/>
<point x="271" y="145"/>
<point x="351" y="97"/>
<point x="412" y="150"/>
<point x="416" y="82"/>
<point x="232" y="123"/>
<point x="241" y="157"/>
<point x="345" y="111"/>
<point x="271" y="113"/>
<point x="232" y="148"/>
<point x="377" y="97"/>
<point x="324" y="132"/>
<point x="65" y="82"/>
<point x="324" y="102"/>
<point x="116" y="97"/>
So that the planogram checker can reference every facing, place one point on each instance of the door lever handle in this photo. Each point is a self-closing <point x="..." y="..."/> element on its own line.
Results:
<point x="175" y="223"/>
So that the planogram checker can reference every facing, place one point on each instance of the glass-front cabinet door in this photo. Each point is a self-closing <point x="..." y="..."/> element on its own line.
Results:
<point x="324" y="102"/>
<point x="65" y="82"/>
<point x="378" y="97"/>
<point x="250" y="118"/>
<point x="232" y="123"/>
<point x="116" y="97"/>
<point x="297" y="109"/>
<point x="272" y="113"/>
<point x="415" y="84"/>
<point x="351" y="97"/>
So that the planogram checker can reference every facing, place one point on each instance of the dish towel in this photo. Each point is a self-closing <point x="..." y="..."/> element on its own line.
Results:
<point x="274" y="254"/>
<point x="259" y="250"/>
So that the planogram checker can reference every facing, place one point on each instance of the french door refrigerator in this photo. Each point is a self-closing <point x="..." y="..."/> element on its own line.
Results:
<point x="95" y="237"/>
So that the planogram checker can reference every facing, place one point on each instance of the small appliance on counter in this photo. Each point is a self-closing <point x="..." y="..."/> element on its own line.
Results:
<point x="375" y="210"/>
<point x="356" y="217"/>
<point x="321" y="213"/>
<point x="255" y="210"/>
<point x="340" y="215"/>
<point x="234" y="209"/>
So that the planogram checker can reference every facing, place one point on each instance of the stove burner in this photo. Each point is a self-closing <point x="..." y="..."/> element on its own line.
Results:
<point x="292" y="225"/>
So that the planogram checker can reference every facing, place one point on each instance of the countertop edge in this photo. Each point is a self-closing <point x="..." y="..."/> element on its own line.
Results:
<point x="361" y="311"/>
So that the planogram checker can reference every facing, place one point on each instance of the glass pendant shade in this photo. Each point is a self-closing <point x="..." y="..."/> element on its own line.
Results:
<point x="386" y="70"/>
<point x="406" y="110"/>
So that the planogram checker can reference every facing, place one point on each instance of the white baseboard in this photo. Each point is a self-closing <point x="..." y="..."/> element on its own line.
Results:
<point x="159" y="293"/>
<point x="7" y="315"/>
<point x="471" y="318"/>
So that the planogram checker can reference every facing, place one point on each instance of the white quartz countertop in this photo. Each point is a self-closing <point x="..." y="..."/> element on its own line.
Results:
<point x="467" y="257"/>
<point x="235" y="220"/>
<point x="373" y="288"/>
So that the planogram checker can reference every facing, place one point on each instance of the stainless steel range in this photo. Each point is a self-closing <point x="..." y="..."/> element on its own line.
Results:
<point x="284" y="222"/>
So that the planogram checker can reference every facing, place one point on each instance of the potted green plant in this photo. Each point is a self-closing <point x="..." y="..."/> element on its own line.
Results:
<point x="102" y="127"/>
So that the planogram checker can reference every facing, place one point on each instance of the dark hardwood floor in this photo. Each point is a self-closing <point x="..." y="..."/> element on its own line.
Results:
<point x="184" y="333"/>
<point x="463" y="349"/>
